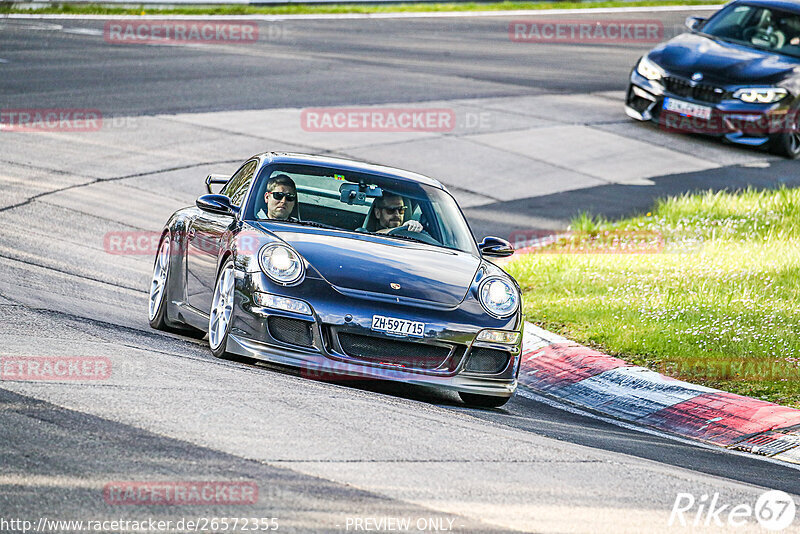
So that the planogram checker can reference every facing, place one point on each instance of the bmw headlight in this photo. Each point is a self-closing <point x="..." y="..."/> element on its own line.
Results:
<point x="281" y="263"/>
<point x="649" y="70"/>
<point x="760" y="95"/>
<point x="498" y="296"/>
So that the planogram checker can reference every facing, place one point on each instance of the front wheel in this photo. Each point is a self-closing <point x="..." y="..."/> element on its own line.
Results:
<point x="221" y="316"/>
<point x="157" y="308"/>
<point x="482" y="401"/>
<point x="787" y="144"/>
<point x="160" y="294"/>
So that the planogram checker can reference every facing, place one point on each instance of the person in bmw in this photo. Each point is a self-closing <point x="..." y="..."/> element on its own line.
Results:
<point x="736" y="76"/>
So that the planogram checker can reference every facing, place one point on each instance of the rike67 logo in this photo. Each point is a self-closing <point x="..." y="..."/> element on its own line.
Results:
<point x="773" y="510"/>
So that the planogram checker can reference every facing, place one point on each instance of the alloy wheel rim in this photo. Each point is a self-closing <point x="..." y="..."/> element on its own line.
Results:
<point x="159" y="281"/>
<point x="794" y="137"/>
<point x="794" y="142"/>
<point x="221" y="308"/>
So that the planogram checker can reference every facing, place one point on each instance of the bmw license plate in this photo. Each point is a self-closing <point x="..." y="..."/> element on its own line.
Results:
<point x="398" y="327"/>
<point x="687" y="108"/>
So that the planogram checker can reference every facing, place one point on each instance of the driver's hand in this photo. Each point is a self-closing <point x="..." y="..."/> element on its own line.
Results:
<point x="413" y="226"/>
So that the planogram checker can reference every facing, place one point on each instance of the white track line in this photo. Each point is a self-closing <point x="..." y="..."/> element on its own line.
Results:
<point x="344" y="16"/>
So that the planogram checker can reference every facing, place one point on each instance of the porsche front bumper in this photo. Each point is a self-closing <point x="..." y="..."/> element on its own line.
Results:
<point x="336" y="340"/>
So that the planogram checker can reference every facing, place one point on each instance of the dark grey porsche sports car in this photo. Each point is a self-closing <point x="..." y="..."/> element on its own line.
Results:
<point x="735" y="76"/>
<point x="342" y="269"/>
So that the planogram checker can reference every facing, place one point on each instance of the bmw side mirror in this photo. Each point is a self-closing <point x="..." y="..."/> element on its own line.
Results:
<point x="495" y="247"/>
<point x="695" y="23"/>
<point x="219" y="204"/>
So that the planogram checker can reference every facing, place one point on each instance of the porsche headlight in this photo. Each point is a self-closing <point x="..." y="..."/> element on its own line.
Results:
<point x="760" y="95"/>
<point x="498" y="296"/>
<point x="281" y="263"/>
<point x="649" y="70"/>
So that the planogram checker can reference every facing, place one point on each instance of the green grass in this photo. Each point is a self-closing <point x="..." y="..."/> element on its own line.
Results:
<point x="297" y="9"/>
<point x="718" y="305"/>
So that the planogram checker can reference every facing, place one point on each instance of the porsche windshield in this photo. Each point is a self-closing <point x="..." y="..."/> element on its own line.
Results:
<point x="759" y="27"/>
<point x="358" y="202"/>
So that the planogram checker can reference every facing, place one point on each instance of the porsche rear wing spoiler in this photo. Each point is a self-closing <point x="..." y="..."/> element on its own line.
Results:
<point x="215" y="179"/>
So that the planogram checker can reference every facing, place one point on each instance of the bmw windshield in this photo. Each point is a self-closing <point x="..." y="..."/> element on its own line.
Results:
<point x="360" y="202"/>
<point x="757" y="27"/>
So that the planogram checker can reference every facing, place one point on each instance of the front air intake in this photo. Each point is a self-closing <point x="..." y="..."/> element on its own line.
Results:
<point x="488" y="361"/>
<point x="291" y="331"/>
<point x="389" y="351"/>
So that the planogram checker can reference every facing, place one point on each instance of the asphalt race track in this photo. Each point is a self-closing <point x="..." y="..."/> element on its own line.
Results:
<point x="540" y="136"/>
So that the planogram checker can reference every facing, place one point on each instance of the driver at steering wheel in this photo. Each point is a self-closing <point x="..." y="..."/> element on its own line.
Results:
<point x="389" y="211"/>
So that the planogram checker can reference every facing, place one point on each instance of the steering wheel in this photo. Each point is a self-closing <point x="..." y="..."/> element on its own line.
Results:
<point x="764" y="37"/>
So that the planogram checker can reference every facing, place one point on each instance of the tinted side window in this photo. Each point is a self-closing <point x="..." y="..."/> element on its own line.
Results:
<point x="237" y="186"/>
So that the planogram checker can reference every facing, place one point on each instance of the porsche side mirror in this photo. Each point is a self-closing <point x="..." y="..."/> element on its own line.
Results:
<point x="219" y="204"/>
<point x="694" y="23"/>
<point x="495" y="247"/>
<point x="215" y="179"/>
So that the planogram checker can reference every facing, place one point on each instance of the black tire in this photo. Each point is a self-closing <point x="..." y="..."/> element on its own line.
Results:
<point x="219" y="349"/>
<point x="787" y="144"/>
<point x="160" y="321"/>
<point x="482" y="401"/>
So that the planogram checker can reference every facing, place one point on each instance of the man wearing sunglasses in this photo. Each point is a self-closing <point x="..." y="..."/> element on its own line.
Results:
<point x="390" y="211"/>
<point x="281" y="198"/>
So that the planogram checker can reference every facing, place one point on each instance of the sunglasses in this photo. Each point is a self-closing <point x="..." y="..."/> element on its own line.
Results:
<point x="279" y="195"/>
<point x="390" y="209"/>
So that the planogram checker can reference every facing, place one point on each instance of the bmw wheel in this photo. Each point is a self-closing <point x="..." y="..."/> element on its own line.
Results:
<point x="787" y="144"/>
<point x="221" y="316"/>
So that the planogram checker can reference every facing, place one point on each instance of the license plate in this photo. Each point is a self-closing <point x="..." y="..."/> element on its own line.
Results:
<point x="398" y="327"/>
<point x="687" y="108"/>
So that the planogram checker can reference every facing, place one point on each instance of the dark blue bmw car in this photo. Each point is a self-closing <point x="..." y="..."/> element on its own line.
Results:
<point x="313" y="273"/>
<point x="735" y="76"/>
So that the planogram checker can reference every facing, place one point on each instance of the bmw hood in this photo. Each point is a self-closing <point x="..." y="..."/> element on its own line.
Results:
<point x="373" y="264"/>
<point x="721" y="62"/>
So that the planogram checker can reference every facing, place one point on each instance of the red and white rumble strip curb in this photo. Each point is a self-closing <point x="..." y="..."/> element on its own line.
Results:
<point x="558" y="368"/>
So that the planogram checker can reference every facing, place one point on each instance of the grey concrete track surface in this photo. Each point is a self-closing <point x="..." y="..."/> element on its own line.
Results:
<point x="320" y="453"/>
<point x="296" y="63"/>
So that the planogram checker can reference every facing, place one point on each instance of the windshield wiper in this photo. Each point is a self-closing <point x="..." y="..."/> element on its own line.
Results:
<point x="747" y="44"/>
<point x="307" y="223"/>
<point x="723" y="39"/>
<point x="408" y="237"/>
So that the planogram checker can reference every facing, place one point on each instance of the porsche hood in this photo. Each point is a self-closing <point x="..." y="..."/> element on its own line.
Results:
<point x="384" y="265"/>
